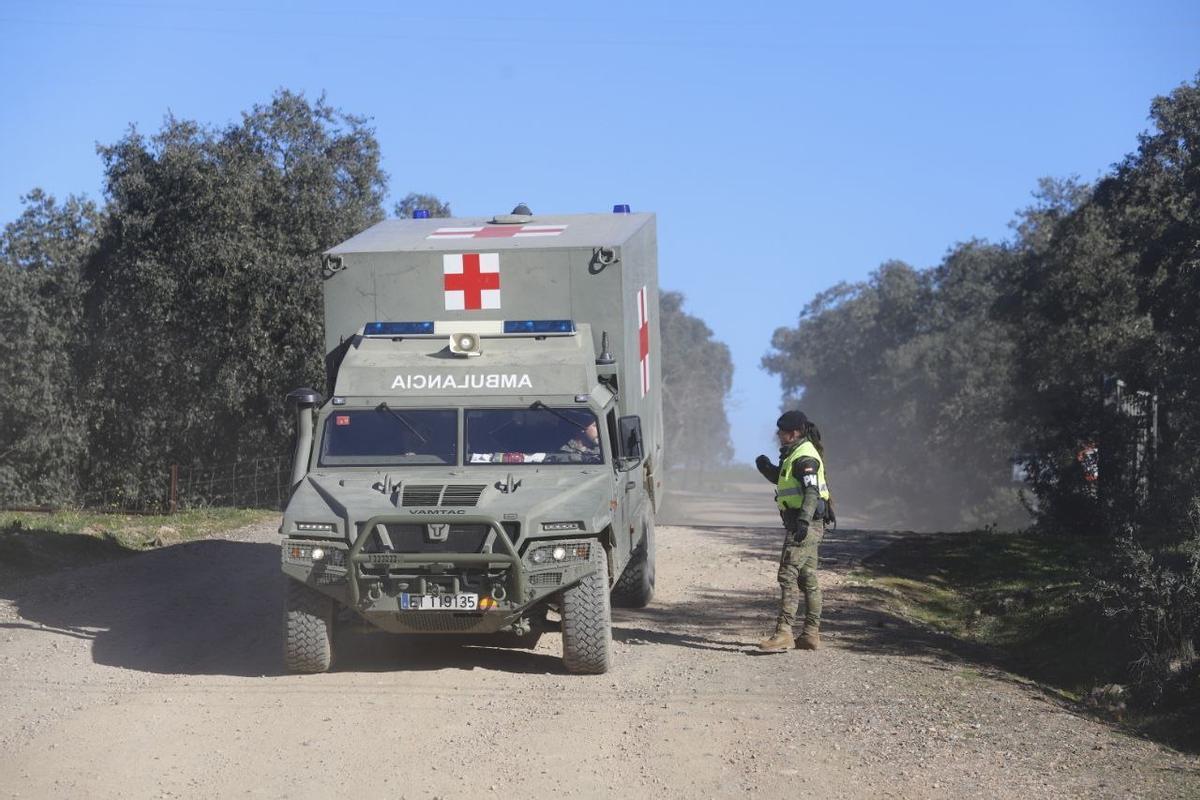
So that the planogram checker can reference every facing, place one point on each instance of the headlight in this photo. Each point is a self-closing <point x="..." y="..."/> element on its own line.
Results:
<point x="569" y="551"/>
<point x="305" y="553"/>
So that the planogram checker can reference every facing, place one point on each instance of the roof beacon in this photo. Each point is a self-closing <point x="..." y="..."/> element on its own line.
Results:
<point x="539" y="326"/>
<point x="621" y="208"/>
<point x="397" y="328"/>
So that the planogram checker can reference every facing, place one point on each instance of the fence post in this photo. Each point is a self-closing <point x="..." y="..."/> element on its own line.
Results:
<point x="173" y="502"/>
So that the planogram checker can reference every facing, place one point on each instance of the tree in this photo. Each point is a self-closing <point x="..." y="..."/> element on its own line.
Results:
<point x="1108" y="289"/>
<point x="42" y="435"/>
<point x="697" y="374"/>
<point x="203" y="300"/>
<point x="906" y="377"/>
<point x="413" y="201"/>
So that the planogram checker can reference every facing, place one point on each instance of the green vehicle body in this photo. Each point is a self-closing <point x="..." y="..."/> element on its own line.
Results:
<point x="430" y="473"/>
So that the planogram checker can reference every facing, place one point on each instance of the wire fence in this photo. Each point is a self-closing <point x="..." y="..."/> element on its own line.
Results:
<point x="251" y="483"/>
<point x="257" y="483"/>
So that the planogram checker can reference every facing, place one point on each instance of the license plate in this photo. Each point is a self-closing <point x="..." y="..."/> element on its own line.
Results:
<point x="463" y="601"/>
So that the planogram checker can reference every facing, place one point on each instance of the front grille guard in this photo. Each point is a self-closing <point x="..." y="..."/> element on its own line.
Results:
<point x="515" y="572"/>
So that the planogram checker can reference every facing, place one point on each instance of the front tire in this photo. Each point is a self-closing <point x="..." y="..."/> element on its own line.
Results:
<point x="587" y="620"/>
<point x="308" y="629"/>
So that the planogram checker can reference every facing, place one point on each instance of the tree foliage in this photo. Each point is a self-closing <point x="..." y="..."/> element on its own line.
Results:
<point x="42" y="429"/>
<point x="168" y="327"/>
<point x="906" y="377"/>
<point x="927" y="381"/>
<point x="697" y="374"/>
<point x="203" y="303"/>
<point x="1119" y="281"/>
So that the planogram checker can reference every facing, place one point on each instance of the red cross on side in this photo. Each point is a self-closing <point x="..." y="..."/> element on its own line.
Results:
<point x="644" y="340"/>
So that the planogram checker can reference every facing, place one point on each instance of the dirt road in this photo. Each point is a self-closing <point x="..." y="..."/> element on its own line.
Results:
<point x="159" y="676"/>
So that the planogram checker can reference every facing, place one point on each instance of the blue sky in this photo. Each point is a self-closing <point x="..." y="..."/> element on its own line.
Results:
<point x="784" y="146"/>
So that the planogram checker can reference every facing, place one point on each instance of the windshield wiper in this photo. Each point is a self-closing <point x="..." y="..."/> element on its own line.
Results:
<point x="538" y="404"/>
<point x="406" y="423"/>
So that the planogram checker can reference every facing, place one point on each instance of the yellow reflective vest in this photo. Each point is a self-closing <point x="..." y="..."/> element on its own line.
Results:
<point x="789" y="491"/>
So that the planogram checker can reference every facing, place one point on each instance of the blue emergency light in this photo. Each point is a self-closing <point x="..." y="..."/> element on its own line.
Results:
<point x="397" y="328"/>
<point x="421" y="213"/>
<point x="539" y="326"/>
<point x="621" y="208"/>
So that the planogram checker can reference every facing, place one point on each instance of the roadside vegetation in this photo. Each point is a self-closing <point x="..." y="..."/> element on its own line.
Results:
<point x="33" y="543"/>
<point x="165" y="325"/>
<point x="1050" y="380"/>
<point x="1031" y="599"/>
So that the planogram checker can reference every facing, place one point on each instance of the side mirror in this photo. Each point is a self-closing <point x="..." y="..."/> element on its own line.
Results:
<point x="629" y="442"/>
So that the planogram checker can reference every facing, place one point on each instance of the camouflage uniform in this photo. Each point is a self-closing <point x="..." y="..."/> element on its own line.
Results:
<point x="798" y="574"/>
<point x="577" y="451"/>
<point x="802" y="496"/>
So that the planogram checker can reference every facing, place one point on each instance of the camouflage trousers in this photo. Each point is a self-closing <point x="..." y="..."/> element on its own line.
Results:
<point x="797" y="576"/>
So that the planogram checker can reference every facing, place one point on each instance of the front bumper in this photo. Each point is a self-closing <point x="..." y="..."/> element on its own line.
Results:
<point x="371" y="582"/>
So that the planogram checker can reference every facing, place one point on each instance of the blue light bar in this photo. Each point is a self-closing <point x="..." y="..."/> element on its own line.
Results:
<point x="421" y="213"/>
<point x="397" y="328"/>
<point x="621" y="208"/>
<point x="539" y="326"/>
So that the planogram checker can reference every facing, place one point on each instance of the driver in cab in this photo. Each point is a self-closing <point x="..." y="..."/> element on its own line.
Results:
<point x="584" y="447"/>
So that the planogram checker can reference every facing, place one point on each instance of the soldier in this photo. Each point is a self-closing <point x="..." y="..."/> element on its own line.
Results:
<point x="585" y="447"/>
<point x="804" y="505"/>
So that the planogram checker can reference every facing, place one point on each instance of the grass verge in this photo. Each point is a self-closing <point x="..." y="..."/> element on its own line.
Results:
<point x="34" y="543"/>
<point x="1024" y="596"/>
<point x="1021" y="593"/>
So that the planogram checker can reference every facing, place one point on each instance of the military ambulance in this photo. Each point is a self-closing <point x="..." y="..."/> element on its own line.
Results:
<point x="490" y="449"/>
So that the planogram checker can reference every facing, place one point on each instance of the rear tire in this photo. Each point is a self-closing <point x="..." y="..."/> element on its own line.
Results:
<point x="307" y="629"/>
<point x="635" y="587"/>
<point x="587" y="620"/>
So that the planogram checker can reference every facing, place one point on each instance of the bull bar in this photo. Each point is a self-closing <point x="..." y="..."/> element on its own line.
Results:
<point x="515" y="571"/>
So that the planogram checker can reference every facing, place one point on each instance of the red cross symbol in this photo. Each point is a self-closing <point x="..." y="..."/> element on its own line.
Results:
<point x="471" y="281"/>
<point x="644" y="340"/>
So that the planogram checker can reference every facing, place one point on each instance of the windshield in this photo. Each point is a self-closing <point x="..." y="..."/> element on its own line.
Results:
<point x="538" y="435"/>
<point x="386" y="436"/>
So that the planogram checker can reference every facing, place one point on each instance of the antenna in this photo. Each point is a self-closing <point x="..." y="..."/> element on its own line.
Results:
<point x="605" y="357"/>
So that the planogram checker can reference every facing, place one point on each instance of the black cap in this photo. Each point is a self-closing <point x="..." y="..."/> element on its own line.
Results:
<point x="792" y="421"/>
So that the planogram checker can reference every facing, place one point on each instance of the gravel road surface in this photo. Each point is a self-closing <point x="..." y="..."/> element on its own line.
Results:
<point x="159" y="676"/>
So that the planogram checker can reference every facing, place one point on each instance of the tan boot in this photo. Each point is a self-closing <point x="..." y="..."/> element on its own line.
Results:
<point x="780" y="642"/>
<point x="810" y="639"/>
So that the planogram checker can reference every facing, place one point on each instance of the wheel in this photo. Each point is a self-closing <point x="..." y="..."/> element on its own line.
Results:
<point x="635" y="587"/>
<point x="307" y="629"/>
<point x="587" y="620"/>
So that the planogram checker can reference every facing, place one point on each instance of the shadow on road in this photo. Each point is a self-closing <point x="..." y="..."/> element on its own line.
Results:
<point x="205" y="608"/>
<point x="361" y="650"/>
<point x="215" y="608"/>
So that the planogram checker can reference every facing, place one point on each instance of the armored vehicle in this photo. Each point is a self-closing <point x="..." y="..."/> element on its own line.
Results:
<point x="490" y="449"/>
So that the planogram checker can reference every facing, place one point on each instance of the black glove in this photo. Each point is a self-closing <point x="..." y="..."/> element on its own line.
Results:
<point x="796" y="527"/>
<point x="767" y="469"/>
